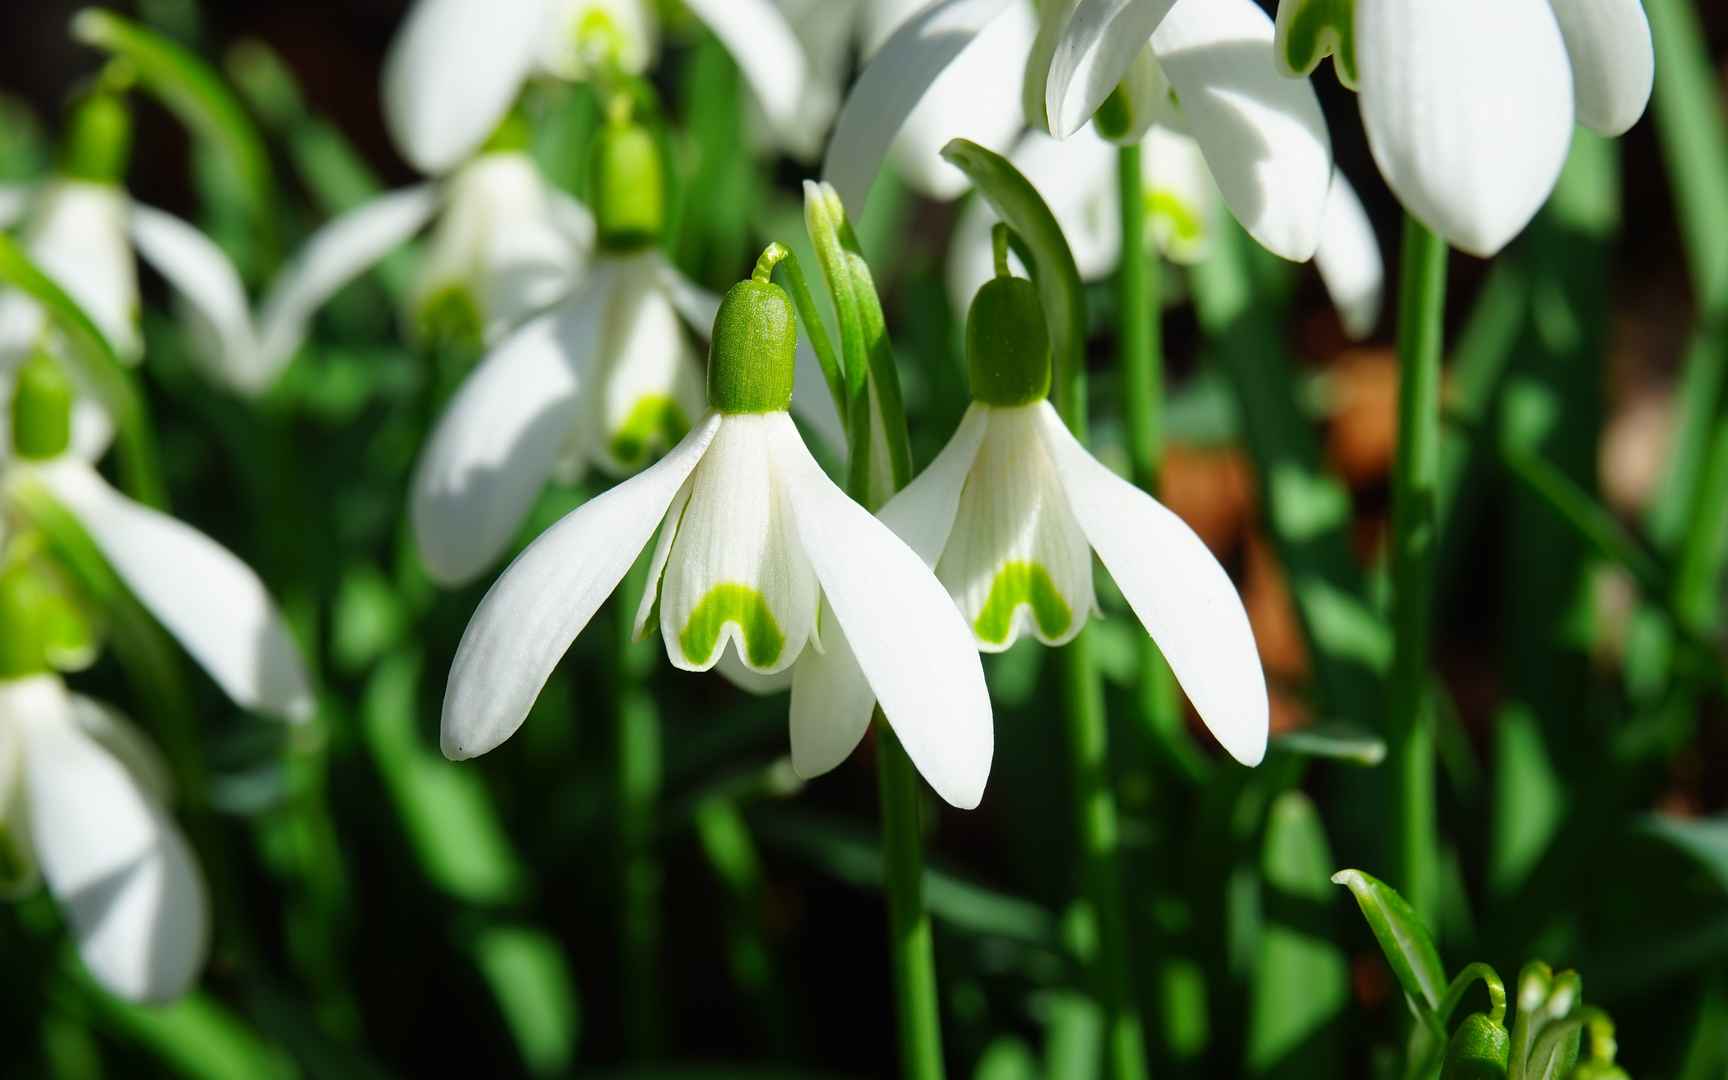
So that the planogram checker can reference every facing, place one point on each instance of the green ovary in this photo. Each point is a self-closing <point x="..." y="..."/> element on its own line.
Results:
<point x="743" y="607"/>
<point x="655" y="420"/>
<point x="1017" y="584"/>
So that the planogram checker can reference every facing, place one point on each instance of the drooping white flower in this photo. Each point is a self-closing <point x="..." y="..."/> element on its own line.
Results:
<point x="760" y="558"/>
<point x="1204" y="67"/>
<point x="1469" y="106"/>
<point x="209" y="600"/>
<point x="1009" y="515"/>
<point x="82" y="808"/>
<point x="1078" y="180"/>
<point x="457" y="65"/>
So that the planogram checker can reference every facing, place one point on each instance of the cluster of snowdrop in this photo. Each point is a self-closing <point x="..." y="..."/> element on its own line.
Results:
<point x="763" y="568"/>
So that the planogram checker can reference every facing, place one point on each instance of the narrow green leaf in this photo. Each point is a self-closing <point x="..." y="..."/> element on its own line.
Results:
<point x="1405" y="941"/>
<point x="1704" y="841"/>
<point x="1339" y="742"/>
<point x="1052" y="267"/>
<point x="195" y="93"/>
<point x="101" y="367"/>
<point x="195" y="1037"/>
<point x="1687" y="105"/>
<point x="525" y="968"/>
<point x="1302" y="980"/>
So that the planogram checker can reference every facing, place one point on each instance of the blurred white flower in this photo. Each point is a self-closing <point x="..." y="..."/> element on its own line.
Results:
<point x="1078" y="180"/>
<point x="457" y="66"/>
<point x="761" y="562"/>
<point x="1469" y="105"/>
<point x="1202" y="67"/>
<point x="82" y="808"/>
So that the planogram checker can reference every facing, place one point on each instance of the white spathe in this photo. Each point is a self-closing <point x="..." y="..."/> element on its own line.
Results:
<point x="755" y="541"/>
<point x="83" y="790"/>
<point x="456" y="66"/>
<point x="1003" y="509"/>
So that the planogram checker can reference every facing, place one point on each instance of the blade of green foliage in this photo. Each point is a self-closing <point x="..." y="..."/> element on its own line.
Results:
<point x="1402" y="937"/>
<point x="524" y="966"/>
<point x="1018" y="203"/>
<point x="195" y="93"/>
<point x="100" y="365"/>
<point x="1338" y="742"/>
<point x="1687" y="105"/>
<point x="1704" y="841"/>
<point x="1301" y="983"/>
<point x="196" y="1037"/>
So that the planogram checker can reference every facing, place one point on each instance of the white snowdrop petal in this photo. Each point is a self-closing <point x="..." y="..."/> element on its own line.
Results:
<point x="922" y="514"/>
<point x="128" y="745"/>
<point x="891" y="86"/>
<point x="79" y="236"/>
<point x="546" y="596"/>
<point x="648" y="607"/>
<point x="336" y="254"/>
<point x="1181" y="195"/>
<point x="119" y="867"/>
<point x="1263" y="134"/>
<point x="911" y="644"/>
<point x="767" y="51"/>
<point x="1094" y="52"/>
<point x="1613" y="61"/>
<point x="1176" y="588"/>
<point x="650" y="387"/>
<point x="453" y="72"/>
<point x="201" y="273"/>
<point x="495" y="446"/>
<point x="1468" y="109"/>
<point x="210" y="601"/>
<point x="14" y="203"/>
<point x="732" y="668"/>
<point x="736" y="573"/>
<point x="832" y="703"/>
<point x="1016" y="561"/>
<point x="1349" y="261"/>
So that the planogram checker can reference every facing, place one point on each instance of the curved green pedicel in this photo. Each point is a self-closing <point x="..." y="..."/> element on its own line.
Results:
<point x="655" y="421"/>
<point x="741" y="606"/>
<point x="1016" y="584"/>
<point x="1310" y="29"/>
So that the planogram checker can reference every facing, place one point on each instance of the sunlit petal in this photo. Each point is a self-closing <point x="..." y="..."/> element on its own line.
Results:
<point x="1349" y="261"/>
<point x="1093" y="54"/>
<point x="204" y="276"/>
<point x="1613" y="60"/>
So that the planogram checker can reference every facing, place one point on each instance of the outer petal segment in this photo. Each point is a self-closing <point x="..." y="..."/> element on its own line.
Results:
<point x="1613" y="61"/>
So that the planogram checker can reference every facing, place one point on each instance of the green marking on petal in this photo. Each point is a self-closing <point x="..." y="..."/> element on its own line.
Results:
<point x="742" y="606"/>
<point x="1018" y="584"/>
<point x="600" y="40"/>
<point x="1309" y="30"/>
<point x="1175" y="223"/>
<point x="655" y="422"/>
<point x="450" y="316"/>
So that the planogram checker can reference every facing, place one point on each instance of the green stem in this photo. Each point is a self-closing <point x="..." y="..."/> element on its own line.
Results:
<point x="638" y="770"/>
<point x="1415" y="474"/>
<point x="1141" y="340"/>
<point x="909" y="937"/>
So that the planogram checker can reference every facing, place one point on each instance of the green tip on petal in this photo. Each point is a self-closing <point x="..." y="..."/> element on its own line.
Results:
<point x="629" y="187"/>
<point x="754" y="350"/>
<point x="743" y="607"/>
<point x="98" y="138"/>
<point x="42" y="409"/>
<point x="1310" y="30"/>
<point x="1008" y="344"/>
<point x="1017" y="585"/>
<point x="450" y="316"/>
<point x="655" y="422"/>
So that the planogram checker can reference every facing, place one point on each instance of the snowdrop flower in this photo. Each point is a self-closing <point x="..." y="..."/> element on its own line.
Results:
<point x="1469" y="105"/>
<point x="457" y="65"/>
<point x="1011" y="511"/>
<point x="761" y="562"/>
<point x="1078" y="179"/>
<point x="1203" y="67"/>
<point x="210" y="601"/>
<point x="82" y="809"/>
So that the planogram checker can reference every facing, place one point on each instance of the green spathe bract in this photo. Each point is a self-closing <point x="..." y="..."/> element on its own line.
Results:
<point x="629" y="188"/>
<point x="41" y="409"/>
<point x="1008" y="344"/>
<point x="1020" y="584"/>
<point x="98" y="138"/>
<point x="754" y="350"/>
<point x="743" y="607"/>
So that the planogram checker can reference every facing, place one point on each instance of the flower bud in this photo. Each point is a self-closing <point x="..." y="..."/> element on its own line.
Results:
<point x="754" y="350"/>
<point x="629" y="189"/>
<point x="41" y="409"/>
<point x="98" y="138"/>
<point x="1008" y="344"/>
<point x="1479" y="1050"/>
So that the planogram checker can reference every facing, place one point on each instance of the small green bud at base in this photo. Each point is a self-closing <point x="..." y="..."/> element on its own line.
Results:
<point x="1479" y="1050"/>
<point x="629" y="188"/>
<point x="754" y="350"/>
<point x="98" y="139"/>
<point x="42" y="409"/>
<point x="1008" y="344"/>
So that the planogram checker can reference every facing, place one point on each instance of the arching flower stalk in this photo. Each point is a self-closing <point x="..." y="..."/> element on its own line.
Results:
<point x="1203" y="67"/>
<point x="755" y="542"/>
<point x="1470" y="106"/>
